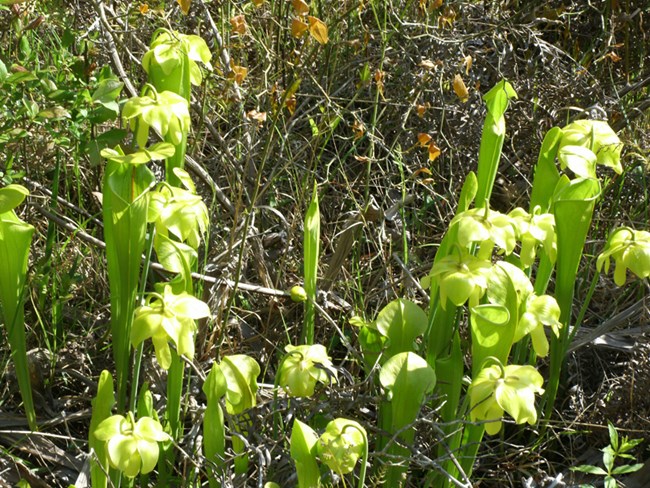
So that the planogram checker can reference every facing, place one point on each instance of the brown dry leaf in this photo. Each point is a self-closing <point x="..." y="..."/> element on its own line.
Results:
<point x="359" y="130"/>
<point x="460" y="89"/>
<point x="427" y="181"/>
<point x="185" y="5"/>
<point x="447" y="18"/>
<point x="238" y="73"/>
<point x="467" y="62"/>
<point x="379" y="80"/>
<point x="144" y="8"/>
<point x="301" y="7"/>
<point x="421" y="109"/>
<point x="318" y="29"/>
<point x="436" y="4"/>
<point x="298" y="27"/>
<point x="259" y="117"/>
<point x="434" y="151"/>
<point x="426" y="171"/>
<point x="290" y="103"/>
<point x="424" y="139"/>
<point x="238" y="23"/>
<point x="258" y="3"/>
<point x="613" y="57"/>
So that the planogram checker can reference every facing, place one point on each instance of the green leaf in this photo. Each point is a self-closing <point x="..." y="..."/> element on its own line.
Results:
<point x="11" y="196"/>
<point x="311" y="245"/>
<point x="573" y="207"/>
<point x="303" y="451"/>
<point x="15" y="241"/>
<point x="54" y="113"/>
<point x="102" y="405"/>
<point x="3" y="71"/>
<point x="174" y="256"/>
<point x="492" y="334"/>
<point x="20" y="77"/>
<point x="241" y="374"/>
<point x="492" y="138"/>
<point x="107" y="92"/>
<point x="401" y="321"/>
<point x="407" y="378"/>
<point x="629" y="468"/>
<point x="590" y="469"/>
<point x="125" y="223"/>
<point x="580" y="160"/>
<point x="546" y="173"/>
<point x="467" y="192"/>
<point x="488" y="324"/>
<point x="613" y="436"/>
<point x="610" y="482"/>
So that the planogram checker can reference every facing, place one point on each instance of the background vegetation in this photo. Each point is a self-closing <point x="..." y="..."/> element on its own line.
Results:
<point x="276" y="113"/>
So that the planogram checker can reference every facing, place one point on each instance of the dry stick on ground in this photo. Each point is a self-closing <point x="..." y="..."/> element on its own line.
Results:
<point x="156" y="266"/>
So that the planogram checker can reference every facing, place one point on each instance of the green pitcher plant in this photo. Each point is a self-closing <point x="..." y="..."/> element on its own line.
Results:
<point x="15" y="241"/>
<point x="214" y="429"/>
<point x="511" y="389"/>
<point x="341" y="446"/>
<point x="132" y="446"/>
<point x="102" y="406"/>
<point x="303" y="449"/>
<point x="311" y="246"/>
<point x="124" y="207"/>
<point x="172" y="61"/>
<point x="303" y="367"/>
<point x="172" y="66"/>
<point x="506" y="301"/>
<point x="241" y="372"/>
<point x="406" y="379"/>
<point x="168" y="317"/>
<point x="630" y="249"/>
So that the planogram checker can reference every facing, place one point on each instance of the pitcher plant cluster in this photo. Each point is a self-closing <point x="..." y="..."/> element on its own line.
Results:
<point x="491" y="273"/>
<point x="142" y="216"/>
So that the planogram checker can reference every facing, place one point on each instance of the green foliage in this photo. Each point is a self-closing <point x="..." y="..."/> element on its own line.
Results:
<point x="488" y="297"/>
<point x="102" y="405"/>
<point x="303" y="367"/>
<point x="168" y="317"/>
<point x="132" y="446"/>
<point x="407" y="379"/>
<point x="511" y="388"/>
<point x="214" y="430"/>
<point x="342" y="444"/>
<point x="304" y="444"/>
<point x="15" y="241"/>
<point x="125" y="220"/>
<point x="618" y="449"/>
<point x="311" y="244"/>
